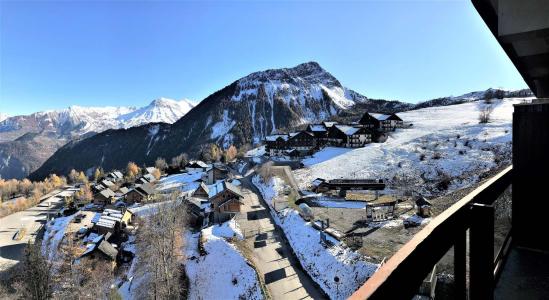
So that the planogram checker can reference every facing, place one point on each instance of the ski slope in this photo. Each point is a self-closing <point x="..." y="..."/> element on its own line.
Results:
<point x="444" y="142"/>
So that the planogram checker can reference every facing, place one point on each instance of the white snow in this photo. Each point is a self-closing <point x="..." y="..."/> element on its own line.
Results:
<point x="259" y="151"/>
<point x="450" y="139"/>
<point x="222" y="127"/>
<point x="223" y="273"/>
<point x="341" y="204"/>
<point x="53" y="236"/>
<point x="184" y="182"/>
<point x="229" y="229"/>
<point x="161" y="110"/>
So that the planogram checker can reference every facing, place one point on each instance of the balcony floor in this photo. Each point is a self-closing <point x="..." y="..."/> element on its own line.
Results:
<point x="524" y="276"/>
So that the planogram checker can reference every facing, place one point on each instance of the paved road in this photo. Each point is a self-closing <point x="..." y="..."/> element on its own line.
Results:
<point x="270" y="254"/>
<point x="11" y="251"/>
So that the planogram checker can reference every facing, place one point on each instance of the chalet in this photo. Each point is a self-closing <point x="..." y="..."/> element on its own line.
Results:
<point x="196" y="166"/>
<point x="423" y="207"/>
<point x="108" y="184"/>
<point x="348" y="136"/>
<point x="104" y="197"/>
<point x="321" y="185"/>
<point x="199" y="211"/>
<point x="381" y="122"/>
<point x="225" y="199"/>
<point x="328" y="125"/>
<point x="202" y="191"/>
<point x="109" y="221"/>
<point x="100" y="248"/>
<point x="276" y="144"/>
<point x="217" y="172"/>
<point x="150" y="170"/>
<point x="115" y="176"/>
<point x="304" y="142"/>
<point x="149" y="178"/>
<point x="319" y="131"/>
<point x="140" y="193"/>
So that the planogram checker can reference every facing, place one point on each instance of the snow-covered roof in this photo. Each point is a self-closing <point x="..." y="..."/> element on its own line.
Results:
<point x="329" y="124"/>
<point x="317" y="127"/>
<point x="196" y="164"/>
<point x="219" y="187"/>
<point x="380" y="117"/>
<point x="274" y="137"/>
<point x="347" y="130"/>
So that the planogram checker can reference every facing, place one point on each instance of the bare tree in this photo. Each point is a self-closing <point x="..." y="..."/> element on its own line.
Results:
<point x="484" y="113"/>
<point x="161" y="164"/>
<point x="160" y="242"/>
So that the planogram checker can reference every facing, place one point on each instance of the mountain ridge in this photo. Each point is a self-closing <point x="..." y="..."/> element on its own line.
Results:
<point x="242" y="112"/>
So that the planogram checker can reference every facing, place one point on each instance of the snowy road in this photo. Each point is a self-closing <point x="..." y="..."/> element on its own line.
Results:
<point x="270" y="253"/>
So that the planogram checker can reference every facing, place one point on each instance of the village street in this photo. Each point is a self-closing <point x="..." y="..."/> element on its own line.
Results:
<point x="269" y="252"/>
<point x="30" y="222"/>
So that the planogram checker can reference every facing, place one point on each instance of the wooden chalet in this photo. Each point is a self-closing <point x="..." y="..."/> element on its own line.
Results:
<point x="140" y="193"/>
<point x="217" y="172"/>
<point x="321" y="185"/>
<point x="349" y="136"/>
<point x="276" y="144"/>
<point x="225" y="199"/>
<point x="99" y="247"/>
<point x="304" y="142"/>
<point x="199" y="211"/>
<point x="196" y="166"/>
<point x="319" y="131"/>
<point x="104" y="197"/>
<point x="381" y="122"/>
<point x="115" y="176"/>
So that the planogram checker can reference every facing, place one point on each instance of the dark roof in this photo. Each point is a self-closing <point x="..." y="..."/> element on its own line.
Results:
<point x="196" y="164"/>
<point x="107" y="193"/>
<point x="145" y="188"/>
<point x="422" y="201"/>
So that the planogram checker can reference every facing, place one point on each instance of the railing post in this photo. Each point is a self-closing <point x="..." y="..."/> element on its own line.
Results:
<point x="460" y="262"/>
<point x="481" y="255"/>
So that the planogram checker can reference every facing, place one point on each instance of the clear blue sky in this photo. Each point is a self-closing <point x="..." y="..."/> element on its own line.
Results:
<point x="56" y="54"/>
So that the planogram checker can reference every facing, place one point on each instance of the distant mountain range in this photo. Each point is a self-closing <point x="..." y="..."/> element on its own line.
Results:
<point x="27" y="141"/>
<point x="241" y="113"/>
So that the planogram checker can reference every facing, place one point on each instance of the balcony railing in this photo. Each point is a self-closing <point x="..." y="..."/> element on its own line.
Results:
<point x="402" y="275"/>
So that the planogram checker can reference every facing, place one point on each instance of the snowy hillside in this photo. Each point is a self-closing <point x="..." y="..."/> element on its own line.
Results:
<point x="444" y="144"/>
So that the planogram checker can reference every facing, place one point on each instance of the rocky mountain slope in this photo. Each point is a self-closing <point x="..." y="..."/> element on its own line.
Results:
<point x="27" y="141"/>
<point x="243" y="112"/>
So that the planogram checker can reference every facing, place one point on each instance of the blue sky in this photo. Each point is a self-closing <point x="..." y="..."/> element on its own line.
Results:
<point x="56" y="54"/>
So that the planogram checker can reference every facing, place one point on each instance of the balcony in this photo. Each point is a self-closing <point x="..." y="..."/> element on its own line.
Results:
<point x="466" y="230"/>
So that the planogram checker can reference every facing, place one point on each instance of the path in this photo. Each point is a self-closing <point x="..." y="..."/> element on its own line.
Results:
<point x="270" y="253"/>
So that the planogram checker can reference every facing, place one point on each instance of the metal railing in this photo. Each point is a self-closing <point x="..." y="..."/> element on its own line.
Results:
<point x="402" y="275"/>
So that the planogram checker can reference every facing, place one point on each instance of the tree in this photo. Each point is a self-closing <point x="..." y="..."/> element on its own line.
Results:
<point x="73" y="176"/>
<point x="230" y="153"/>
<point x="160" y="164"/>
<point x="160" y="243"/>
<point x="132" y="170"/>
<point x="84" y="194"/>
<point x="180" y="160"/>
<point x="484" y="113"/>
<point x="156" y="173"/>
<point x="97" y="174"/>
<point x="36" y="278"/>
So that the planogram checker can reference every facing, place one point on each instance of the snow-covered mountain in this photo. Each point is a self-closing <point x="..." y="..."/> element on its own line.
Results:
<point x="3" y="116"/>
<point x="27" y="141"/>
<point x="243" y="112"/>
<point x="162" y="110"/>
